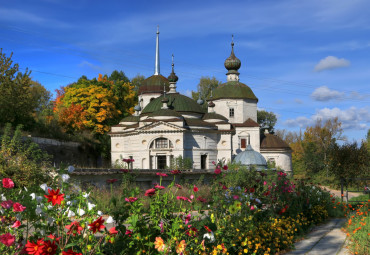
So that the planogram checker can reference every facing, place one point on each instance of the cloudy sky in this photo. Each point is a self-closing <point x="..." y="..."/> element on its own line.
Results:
<point x="304" y="60"/>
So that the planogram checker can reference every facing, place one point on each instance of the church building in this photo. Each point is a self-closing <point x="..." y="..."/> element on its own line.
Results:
<point x="167" y="124"/>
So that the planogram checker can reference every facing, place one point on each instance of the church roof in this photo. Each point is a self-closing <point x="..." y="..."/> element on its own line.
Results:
<point x="154" y="84"/>
<point x="271" y="142"/>
<point x="213" y="115"/>
<point x="131" y="118"/>
<point x="233" y="90"/>
<point x="248" y="123"/>
<point x="177" y="102"/>
<point x="250" y="157"/>
<point x="164" y="112"/>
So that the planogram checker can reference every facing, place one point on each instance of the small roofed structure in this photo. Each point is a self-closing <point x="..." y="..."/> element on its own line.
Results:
<point x="251" y="158"/>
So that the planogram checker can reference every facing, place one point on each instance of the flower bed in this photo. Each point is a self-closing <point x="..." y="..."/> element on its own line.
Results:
<point x="249" y="212"/>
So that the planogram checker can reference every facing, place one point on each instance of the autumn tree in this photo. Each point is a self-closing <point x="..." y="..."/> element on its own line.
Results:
<point x="137" y="81"/>
<point x="205" y="86"/>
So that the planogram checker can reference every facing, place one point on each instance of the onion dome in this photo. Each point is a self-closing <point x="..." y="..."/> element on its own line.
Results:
<point x="234" y="90"/>
<point x="137" y="108"/>
<point x="250" y="157"/>
<point x="173" y="77"/>
<point x="232" y="63"/>
<point x="211" y="104"/>
<point x="177" y="102"/>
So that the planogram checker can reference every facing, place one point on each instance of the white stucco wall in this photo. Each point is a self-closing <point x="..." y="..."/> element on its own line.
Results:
<point x="243" y="109"/>
<point x="144" y="99"/>
<point x="242" y="132"/>
<point x="283" y="159"/>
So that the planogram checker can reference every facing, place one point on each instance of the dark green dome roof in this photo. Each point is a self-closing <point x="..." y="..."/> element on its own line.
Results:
<point x="232" y="63"/>
<point x="131" y="119"/>
<point x="213" y="115"/>
<point x="177" y="102"/>
<point x="154" y="84"/>
<point x="233" y="90"/>
<point x="165" y="112"/>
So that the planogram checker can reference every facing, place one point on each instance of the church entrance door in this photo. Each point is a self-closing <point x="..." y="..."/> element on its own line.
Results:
<point x="161" y="162"/>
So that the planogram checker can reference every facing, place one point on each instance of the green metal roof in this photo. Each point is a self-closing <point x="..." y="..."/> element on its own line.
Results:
<point x="164" y="112"/>
<point x="233" y="90"/>
<point x="213" y="115"/>
<point x="154" y="84"/>
<point x="177" y="102"/>
<point x="131" y="119"/>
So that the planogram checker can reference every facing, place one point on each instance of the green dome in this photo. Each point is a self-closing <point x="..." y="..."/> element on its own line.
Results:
<point x="154" y="84"/>
<point x="177" y="102"/>
<point x="233" y="90"/>
<point x="165" y="112"/>
<point x="131" y="119"/>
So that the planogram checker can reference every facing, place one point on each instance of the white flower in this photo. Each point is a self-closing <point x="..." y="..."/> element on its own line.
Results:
<point x="209" y="236"/>
<point x="39" y="199"/>
<point x="2" y="211"/>
<point x="71" y="169"/>
<point x="50" y="220"/>
<point x="33" y="196"/>
<point x="109" y="220"/>
<point x="99" y="213"/>
<point x="70" y="214"/>
<point x="65" y="177"/>
<point x="25" y="189"/>
<point x="80" y="212"/>
<point x="45" y="187"/>
<point x="86" y="195"/>
<point x="3" y="198"/>
<point x="38" y="210"/>
<point x="68" y="203"/>
<point x="50" y="207"/>
<point x="90" y="206"/>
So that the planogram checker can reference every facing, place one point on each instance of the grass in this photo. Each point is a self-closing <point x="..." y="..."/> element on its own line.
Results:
<point x="360" y="198"/>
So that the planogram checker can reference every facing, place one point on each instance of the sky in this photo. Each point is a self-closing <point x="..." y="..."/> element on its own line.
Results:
<point x="304" y="60"/>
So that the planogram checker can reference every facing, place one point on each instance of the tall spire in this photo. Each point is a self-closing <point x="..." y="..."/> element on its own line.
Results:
<point x="157" y="67"/>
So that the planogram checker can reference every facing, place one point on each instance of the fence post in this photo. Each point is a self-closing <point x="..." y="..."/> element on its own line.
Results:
<point x="341" y="189"/>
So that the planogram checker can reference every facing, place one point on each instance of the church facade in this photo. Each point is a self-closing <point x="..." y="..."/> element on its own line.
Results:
<point x="167" y="124"/>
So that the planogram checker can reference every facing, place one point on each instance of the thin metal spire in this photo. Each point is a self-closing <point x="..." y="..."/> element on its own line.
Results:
<point x="157" y="68"/>
<point x="173" y="64"/>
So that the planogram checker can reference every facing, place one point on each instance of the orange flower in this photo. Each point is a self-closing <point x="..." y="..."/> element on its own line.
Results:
<point x="159" y="244"/>
<point x="181" y="247"/>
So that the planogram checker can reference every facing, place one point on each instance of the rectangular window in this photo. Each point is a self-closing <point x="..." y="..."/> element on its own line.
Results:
<point x="243" y="143"/>
<point x="161" y="143"/>
<point x="231" y="112"/>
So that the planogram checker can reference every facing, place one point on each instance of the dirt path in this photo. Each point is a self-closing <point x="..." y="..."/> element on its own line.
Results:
<point x="337" y="193"/>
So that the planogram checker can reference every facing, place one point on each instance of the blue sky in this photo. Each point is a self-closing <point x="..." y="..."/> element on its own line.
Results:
<point x="303" y="59"/>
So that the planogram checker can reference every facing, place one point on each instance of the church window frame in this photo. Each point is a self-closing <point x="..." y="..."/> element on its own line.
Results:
<point x="161" y="143"/>
<point x="231" y="112"/>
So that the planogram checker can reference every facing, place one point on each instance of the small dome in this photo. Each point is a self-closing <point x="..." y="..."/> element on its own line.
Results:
<point x="154" y="84"/>
<point x="232" y="63"/>
<point x="250" y="157"/>
<point x="173" y="77"/>
<point x="211" y="104"/>
<point x="137" y="108"/>
<point x="200" y="101"/>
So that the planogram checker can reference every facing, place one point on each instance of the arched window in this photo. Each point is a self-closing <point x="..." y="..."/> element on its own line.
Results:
<point x="161" y="143"/>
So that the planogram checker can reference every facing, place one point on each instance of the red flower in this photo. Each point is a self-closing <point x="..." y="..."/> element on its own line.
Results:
<point x="35" y="248"/>
<point x="17" y="207"/>
<point x="112" y="180"/>
<point x="159" y="187"/>
<point x="225" y="167"/>
<point x="162" y="174"/>
<point x="113" y="231"/>
<point x="7" y="204"/>
<point x="150" y="192"/>
<point x="16" y="224"/>
<point x="175" y="172"/>
<point x="128" y="160"/>
<point x="208" y="229"/>
<point x="70" y="252"/>
<point x="125" y="170"/>
<point x="54" y="197"/>
<point x="183" y="198"/>
<point x="131" y="199"/>
<point x="203" y="200"/>
<point x="97" y="225"/>
<point x="191" y="231"/>
<point x="128" y="232"/>
<point x="218" y="171"/>
<point x="195" y="188"/>
<point x="224" y="187"/>
<point x="252" y="190"/>
<point x="178" y="186"/>
<point x="8" y="183"/>
<point x="74" y="228"/>
<point x="49" y="248"/>
<point x="7" y="239"/>
<point x="52" y="237"/>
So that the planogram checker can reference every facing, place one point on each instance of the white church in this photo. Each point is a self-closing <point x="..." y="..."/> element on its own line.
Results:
<point x="167" y="125"/>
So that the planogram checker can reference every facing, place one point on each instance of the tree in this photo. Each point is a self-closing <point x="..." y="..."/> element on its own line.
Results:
<point x="266" y="119"/>
<point x="137" y="81"/>
<point x="205" y="86"/>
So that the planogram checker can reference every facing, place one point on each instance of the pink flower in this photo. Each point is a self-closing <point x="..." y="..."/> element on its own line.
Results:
<point x="195" y="188"/>
<point x="265" y="183"/>
<point x="191" y="197"/>
<point x="128" y="232"/>
<point x="7" y="204"/>
<point x="162" y="174"/>
<point x="17" y="207"/>
<point x="128" y="160"/>
<point x="161" y="226"/>
<point x="175" y="172"/>
<point x="213" y="162"/>
<point x="7" y="239"/>
<point x="8" y="183"/>
<point x="125" y="170"/>
<point x="131" y="199"/>
<point x="235" y="197"/>
<point x="217" y="170"/>
<point x="187" y="218"/>
<point x="16" y="224"/>
<point x="178" y="186"/>
<point x="252" y="207"/>
<point x="203" y="200"/>
<point x="159" y="187"/>
<point x="183" y="198"/>
<point x="149" y="193"/>
<point x="224" y="187"/>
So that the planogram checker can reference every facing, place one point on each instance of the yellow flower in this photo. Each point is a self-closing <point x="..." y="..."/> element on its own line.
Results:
<point x="159" y="244"/>
<point x="180" y="247"/>
<point x="245" y="250"/>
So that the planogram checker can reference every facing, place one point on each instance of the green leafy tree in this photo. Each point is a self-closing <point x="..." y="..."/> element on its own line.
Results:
<point x="137" y="81"/>
<point x="205" y="86"/>
<point x="266" y="119"/>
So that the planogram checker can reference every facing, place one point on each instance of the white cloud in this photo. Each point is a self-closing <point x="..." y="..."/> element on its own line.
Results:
<point x="88" y="64"/>
<point x="323" y="93"/>
<point x="331" y="62"/>
<point x="351" y="118"/>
